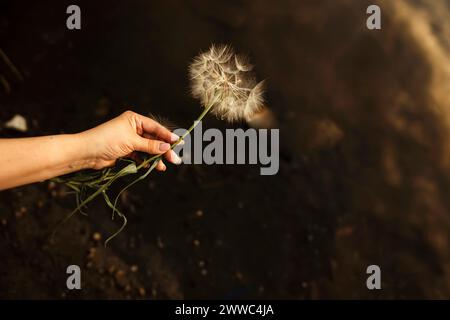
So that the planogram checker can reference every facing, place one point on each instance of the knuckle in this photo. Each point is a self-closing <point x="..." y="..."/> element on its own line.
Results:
<point x="128" y="113"/>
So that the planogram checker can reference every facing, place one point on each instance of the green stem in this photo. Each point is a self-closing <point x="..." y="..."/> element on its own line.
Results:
<point x="158" y="157"/>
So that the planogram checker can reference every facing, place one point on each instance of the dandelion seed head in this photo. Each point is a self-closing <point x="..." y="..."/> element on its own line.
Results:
<point x="223" y="79"/>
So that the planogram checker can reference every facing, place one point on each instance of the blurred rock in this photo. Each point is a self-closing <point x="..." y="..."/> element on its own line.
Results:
<point x="18" y="123"/>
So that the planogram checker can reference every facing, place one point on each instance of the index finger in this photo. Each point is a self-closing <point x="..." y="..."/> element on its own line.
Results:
<point x="157" y="130"/>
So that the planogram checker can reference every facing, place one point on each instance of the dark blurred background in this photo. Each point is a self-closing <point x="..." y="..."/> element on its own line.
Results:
<point x="365" y="156"/>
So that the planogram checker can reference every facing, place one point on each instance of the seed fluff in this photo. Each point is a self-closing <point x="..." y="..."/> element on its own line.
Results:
<point x="225" y="81"/>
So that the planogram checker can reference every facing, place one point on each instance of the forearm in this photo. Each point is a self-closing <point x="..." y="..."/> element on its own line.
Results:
<point x="28" y="160"/>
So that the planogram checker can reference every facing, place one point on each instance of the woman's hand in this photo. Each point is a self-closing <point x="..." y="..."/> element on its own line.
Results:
<point x="27" y="160"/>
<point x="127" y="133"/>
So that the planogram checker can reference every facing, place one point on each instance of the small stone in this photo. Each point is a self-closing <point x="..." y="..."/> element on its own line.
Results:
<point x="204" y="272"/>
<point x="4" y="222"/>
<point x="21" y="212"/>
<point x="196" y="243"/>
<point x="92" y="252"/>
<point x="111" y="269"/>
<point x="18" y="123"/>
<point x="97" y="236"/>
<point x="199" y="213"/>
<point x="141" y="292"/>
<point x="134" y="268"/>
<point x="120" y="278"/>
<point x="201" y="263"/>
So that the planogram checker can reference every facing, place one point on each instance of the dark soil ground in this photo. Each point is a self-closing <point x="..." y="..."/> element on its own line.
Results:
<point x="363" y="173"/>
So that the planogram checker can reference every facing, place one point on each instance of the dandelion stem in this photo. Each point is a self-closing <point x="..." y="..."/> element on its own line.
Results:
<point x="157" y="158"/>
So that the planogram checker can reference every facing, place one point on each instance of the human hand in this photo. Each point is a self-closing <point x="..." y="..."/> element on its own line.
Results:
<point x="123" y="135"/>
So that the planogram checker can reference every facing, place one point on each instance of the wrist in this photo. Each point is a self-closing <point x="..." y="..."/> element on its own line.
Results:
<point x="86" y="157"/>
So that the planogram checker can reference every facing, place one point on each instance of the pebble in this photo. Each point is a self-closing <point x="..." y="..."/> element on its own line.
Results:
<point x="92" y="253"/>
<point x="199" y="213"/>
<point x="196" y="242"/>
<point x="18" y="123"/>
<point x="120" y="278"/>
<point x="111" y="269"/>
<point x="134" y="268"/>
<point x="21" y="212"/>
<point x="97" y="236"/>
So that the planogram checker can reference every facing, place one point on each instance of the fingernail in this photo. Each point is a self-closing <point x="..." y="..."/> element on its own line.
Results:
<point x="174" y="137"/>
<point x="164" y="146"/>
<point x="176" y="158"/>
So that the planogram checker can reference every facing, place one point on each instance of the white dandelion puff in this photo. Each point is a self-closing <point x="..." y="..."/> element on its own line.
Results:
<point x="223" y="82"/>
